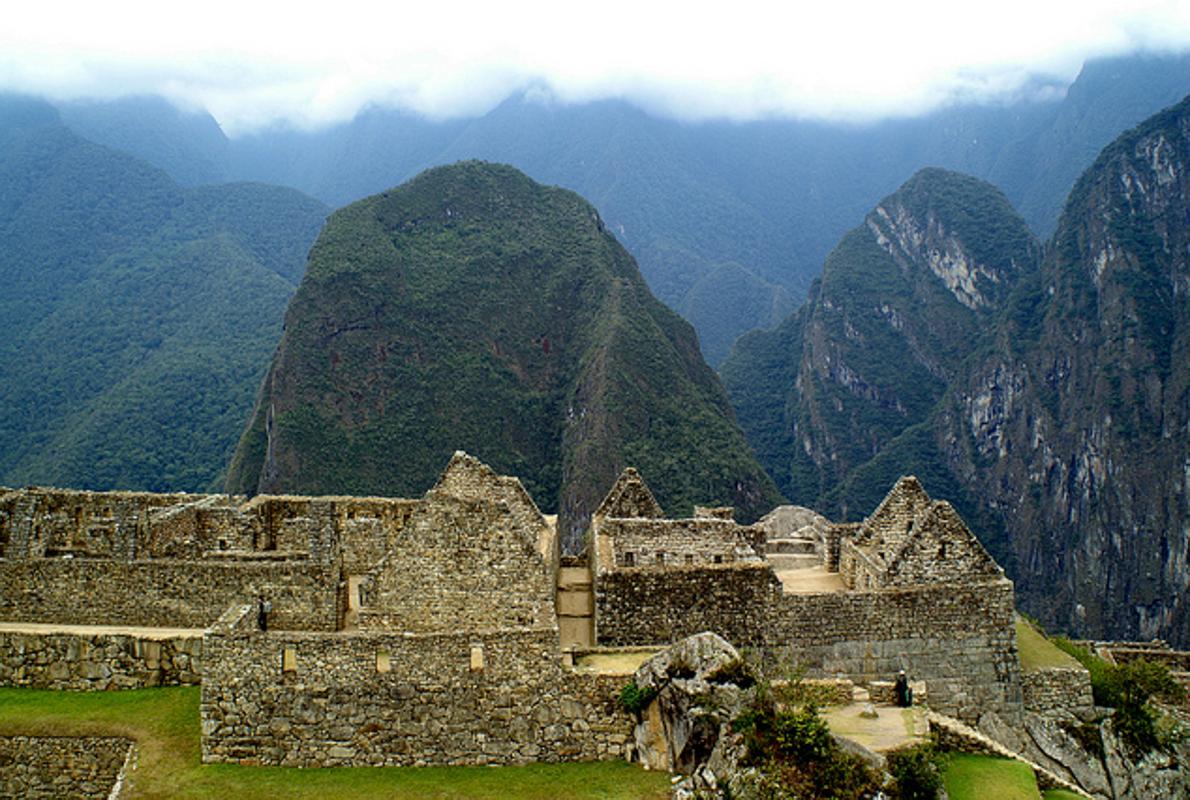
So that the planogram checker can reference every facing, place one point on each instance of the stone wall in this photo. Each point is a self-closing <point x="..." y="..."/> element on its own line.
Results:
<point x="461" y="564"/>
<point x="165" y="593"/>
<point x="1061" y="692"/>
<point x="957" y="638"/>
<point x="40" y="522"/>
<point x="307" y="699"/>
<point x="836" y="534"/>
<point x="646" y="606"/>
<point x="99" y="661"/>
<point x="677" y="542"/>
<point x="61" y="766"/>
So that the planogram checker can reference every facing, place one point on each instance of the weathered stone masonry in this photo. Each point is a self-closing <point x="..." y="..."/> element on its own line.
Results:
<point x="61" y="766"/>
<point x="426" y="631"/>
<point x="918" y="593"/>
<point x="403" y="699"/>
<point x="98" y="661"/>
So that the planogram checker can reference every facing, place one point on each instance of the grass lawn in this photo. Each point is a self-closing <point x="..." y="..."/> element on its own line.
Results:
<point x="1060" y="794"/>
<point x="972" y="777"/>
<point x="165" y="725"/>
<point x="1038" y="652"/>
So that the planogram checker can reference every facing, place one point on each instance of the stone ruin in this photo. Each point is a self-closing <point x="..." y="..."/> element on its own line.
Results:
<point x="447" y="629"/>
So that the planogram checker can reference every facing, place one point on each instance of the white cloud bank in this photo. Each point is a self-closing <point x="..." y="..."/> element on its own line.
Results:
<point x="252" y="63"/>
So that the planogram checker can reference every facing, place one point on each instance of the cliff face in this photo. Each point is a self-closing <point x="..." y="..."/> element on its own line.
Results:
<point x="903" y="300"/>
<point x="472" y="308"/>
<point x="1049" y="398"/>
<point x="1076" y="427"/>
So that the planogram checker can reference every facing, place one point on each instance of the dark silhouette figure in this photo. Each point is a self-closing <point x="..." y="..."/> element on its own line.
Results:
<point x="904" y="694"/>
<point x="262" y="613"/>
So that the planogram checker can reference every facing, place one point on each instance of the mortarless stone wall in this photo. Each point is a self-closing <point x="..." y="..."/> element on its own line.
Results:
<point x="165" y="593"/>
<point x="98" y="661"/>
<point x="401" y="699"/>
<point x="61" y="766"/>
<point x="677" y="542"/>
<point x="1057" y="692"/>
<point x="958" y="638"/>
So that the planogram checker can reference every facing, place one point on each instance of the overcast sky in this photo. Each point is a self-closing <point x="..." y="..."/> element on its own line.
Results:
<point x="251" y="63"/>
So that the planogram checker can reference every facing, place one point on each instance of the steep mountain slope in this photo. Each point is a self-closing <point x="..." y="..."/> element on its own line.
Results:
<point x="472" y="308"/>
<point x="1059" y="418"/>
<point x="729" y="221"/>
<point x="902" y="301"/>
<point x="1076" y="427"/>
<point x="138" y="316"/>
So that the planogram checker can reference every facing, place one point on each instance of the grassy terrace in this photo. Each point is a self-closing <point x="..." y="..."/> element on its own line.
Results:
<point x="164" y="723"/>
<point x="1038" y="652"/>
<point x="972" y="777"/>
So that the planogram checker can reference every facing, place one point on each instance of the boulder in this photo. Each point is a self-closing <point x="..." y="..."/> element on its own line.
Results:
<point x="695" y="690"/>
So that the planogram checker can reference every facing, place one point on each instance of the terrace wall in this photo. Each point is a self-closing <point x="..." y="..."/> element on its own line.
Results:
<point x="165" y="593"/>
<point x="98" y="661"/>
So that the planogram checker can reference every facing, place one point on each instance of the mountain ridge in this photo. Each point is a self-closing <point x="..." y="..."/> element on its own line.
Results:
<point x="472" y="308"/>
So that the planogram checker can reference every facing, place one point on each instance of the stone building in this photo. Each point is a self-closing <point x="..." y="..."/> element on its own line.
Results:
<point x="445" y="629"/>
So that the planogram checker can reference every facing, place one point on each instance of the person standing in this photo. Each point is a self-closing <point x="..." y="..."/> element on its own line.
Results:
<point x="262" y="613"/>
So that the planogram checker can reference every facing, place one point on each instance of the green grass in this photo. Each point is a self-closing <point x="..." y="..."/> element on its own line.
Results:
<point x="1038" y="652"/>
<point x="164" y="723"/>
<point x="1060" y="794"/>
<point x="972" y="777"/>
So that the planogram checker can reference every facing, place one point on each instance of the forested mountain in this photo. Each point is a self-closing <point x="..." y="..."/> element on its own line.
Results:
<point x="1057" y="412"/>
<point x="138" y="316"/>
<point x="474" y="309"/>
<point x="730" y="222"/>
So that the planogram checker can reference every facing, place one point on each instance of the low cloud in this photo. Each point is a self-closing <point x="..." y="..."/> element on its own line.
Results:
<point x="254" y="64"/>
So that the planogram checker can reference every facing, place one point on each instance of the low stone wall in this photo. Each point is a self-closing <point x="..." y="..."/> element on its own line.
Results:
<point x="308" y="699"/>
<point x="99" y="661"/>
<point x="62" y="766"/>
<point x="1059" y="692"/>
<point x="165" y="593"/>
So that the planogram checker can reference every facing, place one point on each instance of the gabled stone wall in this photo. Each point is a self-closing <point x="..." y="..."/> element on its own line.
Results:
<point x="676" y="542"/>
<point x="460" y="564"/>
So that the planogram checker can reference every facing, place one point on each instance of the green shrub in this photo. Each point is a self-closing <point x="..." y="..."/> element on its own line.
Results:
<point x="1128" y="688"/>
<point x="634" y="699"/>
<point x="917" y="771"/>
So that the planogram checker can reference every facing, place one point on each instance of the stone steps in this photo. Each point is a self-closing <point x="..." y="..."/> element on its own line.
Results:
<point x="576" y="607"/>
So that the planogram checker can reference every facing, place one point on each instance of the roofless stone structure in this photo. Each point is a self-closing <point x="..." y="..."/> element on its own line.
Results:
<point x="445" y="629"/>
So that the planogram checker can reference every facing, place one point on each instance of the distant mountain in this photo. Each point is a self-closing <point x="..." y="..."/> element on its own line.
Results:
<point x="138" y="315"/>
<point x="730" y="222"/>
<point x="189" y="145"/>
<point x="1057" y="412"/>
<point x="904" y="300"/>
<point x="474" y="309"/>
